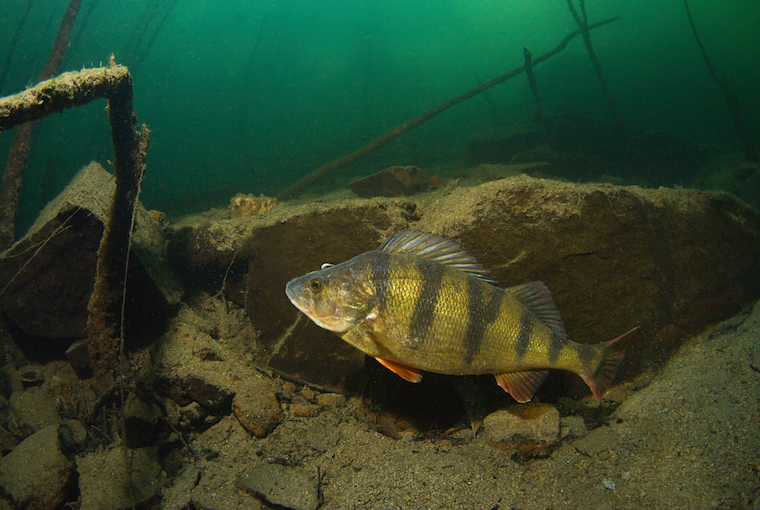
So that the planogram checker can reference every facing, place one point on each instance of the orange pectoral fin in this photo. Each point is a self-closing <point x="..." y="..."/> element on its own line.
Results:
<point x="521" y="385"/>
<point x="405" y="372"/>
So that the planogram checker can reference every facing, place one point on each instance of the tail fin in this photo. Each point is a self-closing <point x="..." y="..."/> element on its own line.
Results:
<point x="612" y="355"/>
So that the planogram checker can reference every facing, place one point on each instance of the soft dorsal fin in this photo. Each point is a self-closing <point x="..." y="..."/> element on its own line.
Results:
<point x="433" y="247"/>
<point x="535" y="296"/>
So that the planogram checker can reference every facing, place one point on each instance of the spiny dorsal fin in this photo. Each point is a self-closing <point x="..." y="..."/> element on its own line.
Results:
<point x="535" y="296"/>
<point x="433" y="247"/>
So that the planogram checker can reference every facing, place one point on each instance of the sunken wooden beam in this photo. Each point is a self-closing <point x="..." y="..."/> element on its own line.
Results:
<point x="299" y="186"/>
<point x="11" y="184"/>
<point x="734" y="107"/>
<point x="76" y="89"/>
<point x="584" y="27"/>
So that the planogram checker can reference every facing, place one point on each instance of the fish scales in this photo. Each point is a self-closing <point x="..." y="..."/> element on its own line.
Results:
<point x="449" y="322"/>
<point x="419" y="302"/>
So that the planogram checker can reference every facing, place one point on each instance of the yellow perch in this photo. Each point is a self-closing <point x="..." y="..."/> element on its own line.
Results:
<point x="420" y="302"/>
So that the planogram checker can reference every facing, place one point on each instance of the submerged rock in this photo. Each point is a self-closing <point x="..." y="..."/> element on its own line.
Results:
<point x="284" y="486"/>
<point x="31" y="410"/>
<point x="670" y="261"/>
<point x="50" y="272"/>
<point x="256" y="407"/>
<point x="36" y="474"/>
<point x="119" y="478"/>
<point x="531" y="429"/>
<point x="395" y="181"/>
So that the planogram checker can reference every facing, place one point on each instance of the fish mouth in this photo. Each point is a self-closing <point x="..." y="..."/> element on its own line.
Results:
<point x="296" y="298"/>
<point x="292" y="294"/>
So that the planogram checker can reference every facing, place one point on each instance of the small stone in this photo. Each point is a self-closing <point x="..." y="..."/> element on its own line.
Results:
<point x="532" y="429"/>
<point x="31" y="375"/>
<point x="30" y="411"/>
<point x="191" y="413"/>
<point x="257" y="408"/>
<point x="73" y="434"/>
<point x="303" y="409"/>
<point x="78" y="355"/>
<point x="119" y="479"/>
<point x="141" y="422"/>
<point x="308" y="393"/>
<point x="538" y="422"/>
<point x="597" y="441"/>
<point x="36" y="474"/>
<point x="284" y="486"/>
<point x="609" y="484"/>
<point x="248" y="205"/>
<point x="329" y="400"/>
<point x="572" y="426"/>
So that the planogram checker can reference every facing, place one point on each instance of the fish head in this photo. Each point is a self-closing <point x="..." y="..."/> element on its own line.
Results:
<point x="336" y="298"/>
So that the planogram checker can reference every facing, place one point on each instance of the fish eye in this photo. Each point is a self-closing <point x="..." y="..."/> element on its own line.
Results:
<point x="315" y="284"/>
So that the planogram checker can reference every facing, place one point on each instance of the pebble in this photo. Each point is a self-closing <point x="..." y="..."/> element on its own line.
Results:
<point x="257" y="408"/>
<point x="328" y="400"/>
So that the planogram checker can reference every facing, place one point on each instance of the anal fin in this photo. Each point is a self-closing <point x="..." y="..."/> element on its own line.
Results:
<point x="407" y="373"/>
<point x="521" y="385"/>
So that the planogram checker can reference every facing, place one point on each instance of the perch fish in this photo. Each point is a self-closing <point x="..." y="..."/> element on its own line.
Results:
<point x="419" y="302"/>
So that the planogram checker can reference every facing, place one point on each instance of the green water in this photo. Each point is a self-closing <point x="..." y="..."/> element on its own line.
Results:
<point x="249" y="96"/>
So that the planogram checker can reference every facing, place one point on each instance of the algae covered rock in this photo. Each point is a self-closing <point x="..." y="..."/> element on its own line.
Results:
<point x="49" y="273"/>
<point x="36" y="474"/>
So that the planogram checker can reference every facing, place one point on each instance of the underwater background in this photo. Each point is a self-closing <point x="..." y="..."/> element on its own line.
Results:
<point x="249" y="96"/>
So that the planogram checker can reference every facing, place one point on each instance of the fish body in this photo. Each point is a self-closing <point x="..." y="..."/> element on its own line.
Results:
<point x="421" y="303"/>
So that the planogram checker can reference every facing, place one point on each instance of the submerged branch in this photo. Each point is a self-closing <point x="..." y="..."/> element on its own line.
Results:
<point x="299" y="186"/>
<point x="130" y="146"/>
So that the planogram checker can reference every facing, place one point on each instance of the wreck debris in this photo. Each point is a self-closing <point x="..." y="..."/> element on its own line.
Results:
<point x="299" y="186"/>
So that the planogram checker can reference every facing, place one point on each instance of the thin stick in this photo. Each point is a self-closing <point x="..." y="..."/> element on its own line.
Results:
<point x="12" y="178"/>
<point x="299" y="186"/>
<point x="583" y="25"/>
<point x="732" y="102"/>
<point x="532" y="81"/>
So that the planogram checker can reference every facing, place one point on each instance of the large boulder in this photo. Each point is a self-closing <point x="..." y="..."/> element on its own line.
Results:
<point x="47" y="277"/>
<point x="670" y="261"/>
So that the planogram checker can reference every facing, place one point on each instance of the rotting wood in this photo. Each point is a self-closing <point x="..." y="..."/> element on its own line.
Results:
<point x="299" y="186"/>
<point x="130" y="145"/>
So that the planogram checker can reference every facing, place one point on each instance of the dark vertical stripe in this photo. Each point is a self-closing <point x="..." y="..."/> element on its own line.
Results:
<point x="483" y="307"/>
<point x="524" y="333"/>
<point x="431" y="276"/>
<point x="557" y="342"/>
<point x="379" y="267"/>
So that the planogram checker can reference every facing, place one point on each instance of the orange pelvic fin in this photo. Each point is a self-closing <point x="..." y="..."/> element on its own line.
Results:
<point x="405" y="372"/>
<point x="613" y="353"/>
<point x="521" y="385"/>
